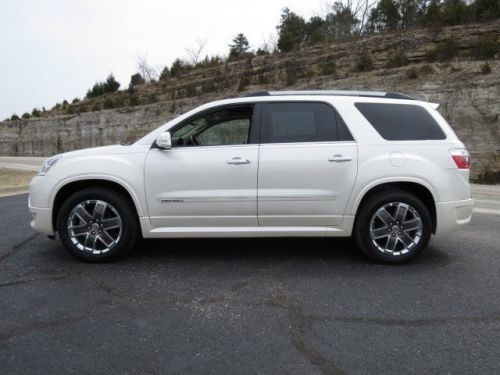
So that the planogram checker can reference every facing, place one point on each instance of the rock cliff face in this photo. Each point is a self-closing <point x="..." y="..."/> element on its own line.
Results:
<point x="469" y="96"/>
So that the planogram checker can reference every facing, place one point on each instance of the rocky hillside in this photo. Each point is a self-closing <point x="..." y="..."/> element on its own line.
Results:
<point x="446" y="66"/>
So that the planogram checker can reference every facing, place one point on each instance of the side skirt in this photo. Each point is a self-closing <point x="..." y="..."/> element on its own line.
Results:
<point x="343" y="230"/>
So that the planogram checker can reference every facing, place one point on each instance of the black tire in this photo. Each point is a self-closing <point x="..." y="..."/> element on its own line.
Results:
<point x="126" y="238"/>
<point x="363" y="225"/>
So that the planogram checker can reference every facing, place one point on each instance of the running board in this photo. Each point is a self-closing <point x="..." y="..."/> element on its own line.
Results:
<point x="343" y="230"/>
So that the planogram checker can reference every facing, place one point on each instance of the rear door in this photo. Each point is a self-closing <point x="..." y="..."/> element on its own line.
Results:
<point x="307" y="165"/>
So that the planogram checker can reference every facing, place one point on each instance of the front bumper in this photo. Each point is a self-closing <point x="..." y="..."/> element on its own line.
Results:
<point x="41" y="219"/>
<point x="39" y="204"/>
<point x="453" y="215"/>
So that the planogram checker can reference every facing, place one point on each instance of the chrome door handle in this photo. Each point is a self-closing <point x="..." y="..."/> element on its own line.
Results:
<point x="238" y="161"/>
<point x="340" y="158"/>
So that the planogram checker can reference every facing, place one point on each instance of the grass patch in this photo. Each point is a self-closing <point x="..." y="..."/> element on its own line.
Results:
<point x="13" y="178"/>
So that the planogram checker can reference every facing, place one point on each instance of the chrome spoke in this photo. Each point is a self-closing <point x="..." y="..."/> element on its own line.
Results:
<point x="412" y="224"/>
<point x="79" y="230"/>
<point x="105" y="238"/>
<point x="385" y="216"/>
<point x="112" y="223"/>
<point x="82" y="213"/>
<point x="99" y="209"/>
<point x="381" y="232"/>
<point x="90" y="241"/>
<point x="406" y="239"/>
<point x="391" y="243"/>
<point x="98" y="232"/>
<point x="401" y="212"/>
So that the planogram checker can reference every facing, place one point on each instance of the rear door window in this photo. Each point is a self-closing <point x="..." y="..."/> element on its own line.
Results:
<point x="302" y="122"/>
<point x="401" y="122"/>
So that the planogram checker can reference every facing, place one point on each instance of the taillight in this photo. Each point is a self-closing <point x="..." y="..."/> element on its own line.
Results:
<point x="461" y="157"/>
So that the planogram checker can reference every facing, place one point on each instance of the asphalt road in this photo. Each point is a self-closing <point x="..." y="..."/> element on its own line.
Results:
<point x="243" y="306"/>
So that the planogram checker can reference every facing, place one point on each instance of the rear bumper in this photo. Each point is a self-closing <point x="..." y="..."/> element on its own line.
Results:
<point x="453" y="215"/>
<point x="41" y="219"/>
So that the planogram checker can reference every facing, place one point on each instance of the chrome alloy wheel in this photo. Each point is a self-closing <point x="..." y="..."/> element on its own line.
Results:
<point x="395" y="228"/>
<point x="94" y="226"/>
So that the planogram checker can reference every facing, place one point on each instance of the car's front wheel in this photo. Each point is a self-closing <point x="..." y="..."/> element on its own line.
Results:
<point x="97" y="224"/>
<point x="393" y="227"/>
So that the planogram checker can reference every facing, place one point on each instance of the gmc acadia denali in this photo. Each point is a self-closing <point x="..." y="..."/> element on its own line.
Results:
<point x="381" y="167"/>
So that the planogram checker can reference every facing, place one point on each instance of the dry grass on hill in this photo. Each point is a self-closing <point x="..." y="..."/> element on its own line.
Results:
<point x="13" y="178"/>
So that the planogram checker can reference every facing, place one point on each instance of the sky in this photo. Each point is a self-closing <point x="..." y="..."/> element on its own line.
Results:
<point x="53" y="50"/>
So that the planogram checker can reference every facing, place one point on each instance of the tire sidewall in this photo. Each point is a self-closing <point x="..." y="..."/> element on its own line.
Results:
<point x="120" y="203"/>
<point x="362" y="226"/>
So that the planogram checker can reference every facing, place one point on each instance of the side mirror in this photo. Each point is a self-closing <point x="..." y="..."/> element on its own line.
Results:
<point x="164" y="141"/>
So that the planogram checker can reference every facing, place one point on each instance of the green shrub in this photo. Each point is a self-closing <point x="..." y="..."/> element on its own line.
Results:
<point x="412" y="73"/>
<point x="35" y="112"/>
<point x="70" y="110"/>
<point x="133" y="101"/>
<point x="364" y="62"/>
<point x="95" y="91"/>
<point x="14" y="117"/>
<point x="485" y="68"/>
<point x="76" y="100"/>
<point x="101" y="88"/>
<point x="261" y="52"/>
<point x="65" y="103"/>
<point x="152" y="98"/>
<point x="328" y="68"/>
<point x="426" y="69"/>
<point x="209" y="62"/>
<point x="136" y="80"/>
<point x="180" y="67"/>
<point x="486" y="47"/>
<point x="445" y="51"/>
<point x="263" y="79"/>
<point x="291" y="73"/>
<point x="489" y="178"/>
<point x="82" y="107"/>
<point x="165" y="73"/>
<point x="207" y="86"/>
<point x="96" y="107"/>
<point x="108" y="103"/>
<point x="243" y="83"/>
<point x="111" y="84"/>
<point x="26" y="115"/>
<point x="397" y="59"/>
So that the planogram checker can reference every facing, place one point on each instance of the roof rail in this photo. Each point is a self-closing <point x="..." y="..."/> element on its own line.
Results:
<point x="368" y="94"/>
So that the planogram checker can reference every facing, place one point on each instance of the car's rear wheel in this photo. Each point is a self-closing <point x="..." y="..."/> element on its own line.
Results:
<point x="97" y="224"/>
<point x="393" y="227"/>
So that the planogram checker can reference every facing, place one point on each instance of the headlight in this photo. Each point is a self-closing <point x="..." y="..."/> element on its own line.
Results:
<point x="49" y="163"/>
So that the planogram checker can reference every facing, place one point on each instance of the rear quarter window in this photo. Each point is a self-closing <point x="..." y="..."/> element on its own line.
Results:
<point x="289" y="122"/>
<point x="401" y="122"/>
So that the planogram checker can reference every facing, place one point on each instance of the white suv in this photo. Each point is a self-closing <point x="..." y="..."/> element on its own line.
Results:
<point x="382" y="167"/>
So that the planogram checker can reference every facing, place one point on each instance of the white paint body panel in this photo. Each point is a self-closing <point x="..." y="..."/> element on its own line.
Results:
<point x="286" y="190"/>
<point x="298" y="185"/>
<point x="195" y="186"/>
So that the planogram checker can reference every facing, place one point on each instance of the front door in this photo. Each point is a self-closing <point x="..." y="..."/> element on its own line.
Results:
<point x="307" y="165"/>
<point x="209" y="177"/>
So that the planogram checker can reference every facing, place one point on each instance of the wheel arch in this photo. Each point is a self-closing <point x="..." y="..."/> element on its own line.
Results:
<point x="68" y="187"/>
<point x="421" y="190"/>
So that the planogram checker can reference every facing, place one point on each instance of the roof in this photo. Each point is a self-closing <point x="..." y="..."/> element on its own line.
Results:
<point x="368" y="94"/>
